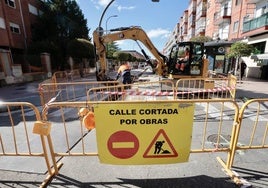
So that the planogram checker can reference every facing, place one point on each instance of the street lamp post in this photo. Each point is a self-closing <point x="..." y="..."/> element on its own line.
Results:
<point x="113" y="16"/>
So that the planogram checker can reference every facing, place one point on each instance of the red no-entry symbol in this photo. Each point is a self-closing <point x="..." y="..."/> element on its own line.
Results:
<point x="123" y="144"/>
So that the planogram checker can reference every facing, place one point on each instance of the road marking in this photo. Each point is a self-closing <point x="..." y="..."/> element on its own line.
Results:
<point x="214" y="112"/>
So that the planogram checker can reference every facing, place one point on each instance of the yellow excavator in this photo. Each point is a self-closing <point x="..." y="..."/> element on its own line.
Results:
<point x="174" y="66"/>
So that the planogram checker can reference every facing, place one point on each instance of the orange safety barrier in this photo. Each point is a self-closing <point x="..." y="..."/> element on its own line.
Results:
<point x="250" y="140"/>
<point x="158" y="90"/>
<point x="68" y="76"/>
<point x="206" y="88"/>
<point x="209" y="129"/>
<point x="71" y="91"/>
<point x="20" y="129"/>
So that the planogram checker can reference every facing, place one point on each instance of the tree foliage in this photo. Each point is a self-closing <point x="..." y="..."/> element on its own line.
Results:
<point x="111" y="48"/>
<point x="61" y="22"/>
<point x="38" y="47"/>
<point x="80" y="48"/>
<point x="121" y="56"/>
<point x="61" y="19"/>
<point x="240" y="49"/>
<point x="201" y="39"/>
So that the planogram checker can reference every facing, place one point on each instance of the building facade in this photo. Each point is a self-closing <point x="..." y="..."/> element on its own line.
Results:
<point x="16" y="18"/>
<point x="228" y="21"/>
<point x="201" y="14"/>
<point x="172" y="40"/>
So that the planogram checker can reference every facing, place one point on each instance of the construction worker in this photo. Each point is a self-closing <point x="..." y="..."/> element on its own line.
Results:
<point x="183" y="61"/>
<point x="124" y="71"/>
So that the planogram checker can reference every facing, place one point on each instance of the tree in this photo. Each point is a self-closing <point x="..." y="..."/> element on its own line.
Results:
<point x="238" y="50"/>
<point x="201" y="39"/>
<point x="68" y="19"/>
<point x="80" y="50"/>
<point x="121" y="56"/>
<point x="37" y="48"/>
<point x="111" y="48"/>
<point x="61" y="21"/>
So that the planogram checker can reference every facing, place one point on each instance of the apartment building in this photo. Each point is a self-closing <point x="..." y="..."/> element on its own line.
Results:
<point x="228" y="21"/>
<point x="243" y="20"/>
<point x="255" y="25"/>
<point x="179" y="33"/>
<point x="183" y="31"/>
<point x="173" y="39"/>
<point x="255" y="30"/>
<point x="201" y="14"/>
<point x="211" y="29"/>
<point x="16" y="18"/>
<point x="191" y="19"/>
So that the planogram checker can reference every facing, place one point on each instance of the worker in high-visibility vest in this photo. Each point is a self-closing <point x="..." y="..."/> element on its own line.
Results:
<point x="124" y="71"/>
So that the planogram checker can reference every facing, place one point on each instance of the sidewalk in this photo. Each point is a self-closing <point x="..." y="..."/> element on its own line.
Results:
<point x="251" y="88"/>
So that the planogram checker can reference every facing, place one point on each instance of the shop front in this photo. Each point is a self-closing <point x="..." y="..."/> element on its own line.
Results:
<point x="216" y="54"/>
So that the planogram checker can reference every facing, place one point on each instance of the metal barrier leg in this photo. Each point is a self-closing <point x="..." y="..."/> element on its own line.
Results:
<point x="229" y="172"/>
<point x="56" y="167"/>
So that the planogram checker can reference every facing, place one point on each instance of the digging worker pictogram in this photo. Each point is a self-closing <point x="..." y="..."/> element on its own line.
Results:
<point x="158" y="146"/>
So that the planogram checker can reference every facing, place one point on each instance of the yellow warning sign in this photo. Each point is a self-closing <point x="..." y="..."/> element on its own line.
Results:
<point x="144" y="133"/>
<point x="160" y="146"/>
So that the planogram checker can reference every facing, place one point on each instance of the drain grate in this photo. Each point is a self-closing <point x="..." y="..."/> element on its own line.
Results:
<point x="224" y="142"/>
<point x="219" y="141"/>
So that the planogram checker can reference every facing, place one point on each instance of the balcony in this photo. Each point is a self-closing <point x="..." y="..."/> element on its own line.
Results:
<point x="200" y="29"/>
<point x="221" y="1"/>
<point x="254" y="1"/>
<point x="201" y="13"/>
<point x="256" y="25"/>
<point x="221" y="19"/>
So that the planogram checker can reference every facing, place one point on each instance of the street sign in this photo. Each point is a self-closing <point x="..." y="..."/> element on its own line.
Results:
<point x="156" y="147"/>
<point x="123" y="144"/>
<point x="144" y="133"/>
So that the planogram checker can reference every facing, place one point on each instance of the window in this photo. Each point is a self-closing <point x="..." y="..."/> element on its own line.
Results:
<point x="33" y="9"/>
<point x="235" y="27"/>
<point x="15" y="28"/>
<point x="11" y="3"/>
<point x="237" y="2"/>
<point x="219" y="64"/>
<point x="225" y="9"/>
<point x="2" y="23"/>
<point x="40" y="12"/>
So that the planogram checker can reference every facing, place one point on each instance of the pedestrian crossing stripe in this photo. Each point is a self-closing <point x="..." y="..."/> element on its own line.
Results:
<point x="153" y="151"/>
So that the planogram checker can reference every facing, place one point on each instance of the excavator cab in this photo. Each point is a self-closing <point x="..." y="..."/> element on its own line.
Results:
<point x="186" y="58"/>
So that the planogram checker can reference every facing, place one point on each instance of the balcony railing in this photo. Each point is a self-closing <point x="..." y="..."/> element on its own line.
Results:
<point x="255" y="23"/>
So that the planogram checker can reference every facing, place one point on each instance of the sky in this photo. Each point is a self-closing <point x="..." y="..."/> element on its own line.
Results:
<point x="157" y="19"/>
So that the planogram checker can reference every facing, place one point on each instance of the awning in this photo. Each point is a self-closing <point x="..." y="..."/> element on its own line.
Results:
<point x="259" y="56"/>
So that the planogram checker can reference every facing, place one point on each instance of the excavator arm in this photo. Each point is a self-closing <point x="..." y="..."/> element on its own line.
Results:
<point x="123" y="33"/>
